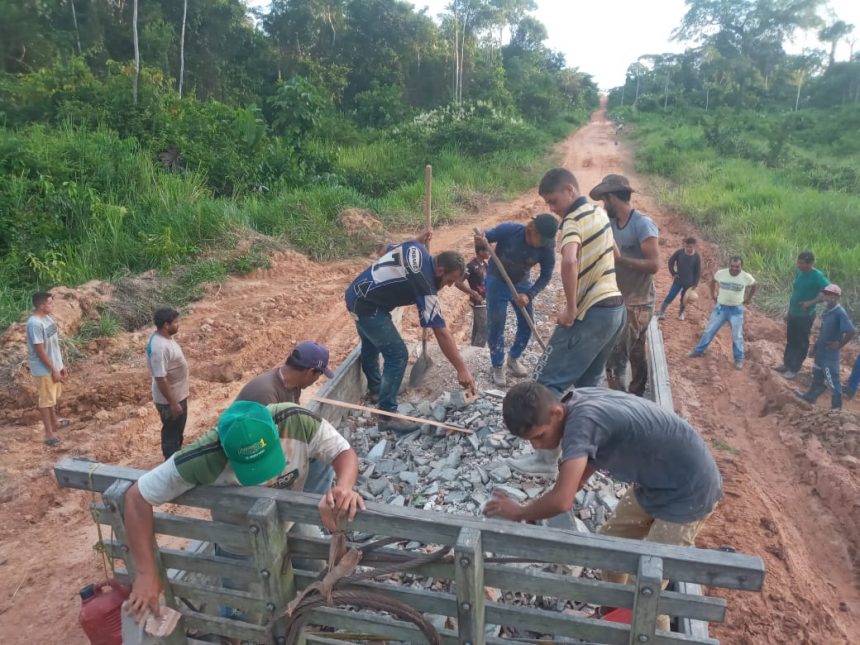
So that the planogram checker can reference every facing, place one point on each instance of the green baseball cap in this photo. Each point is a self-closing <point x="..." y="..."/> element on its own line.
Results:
<point x="250" y="440"/>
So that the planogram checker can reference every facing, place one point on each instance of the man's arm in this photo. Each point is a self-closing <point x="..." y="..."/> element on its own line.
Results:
<point x="547" y="264"/>
<point x="463" y="286"/>
<point x="146" y="586"/>
<point x="570" y="282"/>
<point x="750" y="292"/>
<point x="342" y="501"/>
<point x="714" y="285"/>
<point x="572" y="475"/>
<point x="449" y="348"/>
<point x="697" y="270"/>
<point x="806" y="304"/>
<point x="650" y="263"/>
<point x="673" y="263"/>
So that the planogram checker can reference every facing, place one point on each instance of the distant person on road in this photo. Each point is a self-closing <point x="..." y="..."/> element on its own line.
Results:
<point x="675" y="482"/>
<point x="46" y="363"/>
<point x="836" y="331"/>
<point x="519" y="247"/>
<point x="736" y="289"/>
<point x="252" y="445"/>
<point x="685" y="265"/>
<point x="170" y="379"/>
<point x="405" y="274"/>
<point x="637" y="259"/>
<point x="593" y="316"/>
<point x="284" y="384"/>
<point x="808" y="283"/>
<point x="475" y="287"/>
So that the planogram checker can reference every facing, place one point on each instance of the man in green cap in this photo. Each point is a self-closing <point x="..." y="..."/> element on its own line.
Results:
<point x="253" y="445"/>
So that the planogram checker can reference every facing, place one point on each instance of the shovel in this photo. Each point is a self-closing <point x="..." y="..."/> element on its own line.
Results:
<point x="423" y="364"/>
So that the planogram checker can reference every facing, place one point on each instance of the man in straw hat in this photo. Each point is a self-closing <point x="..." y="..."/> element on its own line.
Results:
<point x="637" y="258"/>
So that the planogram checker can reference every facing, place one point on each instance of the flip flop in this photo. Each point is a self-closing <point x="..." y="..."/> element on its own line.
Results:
<point x="52" y="442"/>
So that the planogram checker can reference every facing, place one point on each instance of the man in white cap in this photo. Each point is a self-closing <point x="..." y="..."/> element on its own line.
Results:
<point x="837" y="330"/>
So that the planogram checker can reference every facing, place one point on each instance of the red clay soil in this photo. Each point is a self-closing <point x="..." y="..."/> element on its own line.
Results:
<point x="791" y="473"/>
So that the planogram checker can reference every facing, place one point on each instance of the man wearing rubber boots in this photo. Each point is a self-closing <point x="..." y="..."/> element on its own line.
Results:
<point x="519" y="247"/>
<point x="405" y="274"/>
<point x="594" y="314"/>
<point x="637" y="258"/>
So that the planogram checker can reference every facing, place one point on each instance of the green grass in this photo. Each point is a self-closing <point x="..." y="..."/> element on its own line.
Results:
<point x="85" y="204"/>
<point x="767" y="214"/>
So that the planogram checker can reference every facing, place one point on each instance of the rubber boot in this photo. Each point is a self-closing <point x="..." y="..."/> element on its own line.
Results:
<point x="516" y="367"/>
<point x="499" y="377"/>
<point x="541" y="462"/>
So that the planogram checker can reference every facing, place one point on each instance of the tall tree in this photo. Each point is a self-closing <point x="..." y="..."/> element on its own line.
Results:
<point x="182" y="47"/>
<point x="136" y="80"/>
<point x="833" y="33"/>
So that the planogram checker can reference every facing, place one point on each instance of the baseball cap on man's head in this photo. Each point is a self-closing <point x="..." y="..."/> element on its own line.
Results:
<point x="611" y="184"/>
<point x="832" y="289"/>
<point x="311" y="356"/>
<point x="547" y="226"/>
<point x="250" y="440"/>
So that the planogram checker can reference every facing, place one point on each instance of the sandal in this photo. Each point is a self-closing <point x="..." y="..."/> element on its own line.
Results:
<point x="52" y="442"/>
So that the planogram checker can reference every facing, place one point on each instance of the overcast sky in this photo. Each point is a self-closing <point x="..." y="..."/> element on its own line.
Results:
<point x="602" y="37"/>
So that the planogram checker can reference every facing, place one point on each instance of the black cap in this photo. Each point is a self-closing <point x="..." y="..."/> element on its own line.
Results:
<point x="87" y="592"/>
<point x="547" y="226"/>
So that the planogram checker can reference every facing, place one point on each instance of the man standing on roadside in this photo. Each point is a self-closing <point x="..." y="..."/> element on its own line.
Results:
<point x="519" y="247"/>
<point x="685" y="265"/>
<point x="637" y="258"/>
<point x="46" y="363"/>
<point x="170" y="382"/>
<point x="837" y="330"/>
<point x="284" y="384"/>
<point x="808" y="283"/>
<point x="594" y="315"/>
<point x="736" y="289"/>
<point x="405" y="274"/>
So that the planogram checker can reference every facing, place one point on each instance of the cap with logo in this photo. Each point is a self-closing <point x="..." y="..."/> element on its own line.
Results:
<point x="832" y="289"/>
<point x="611" y="184"/>
<point x="250" y="440"/>
<point x="312" y="356"/>
<point x="547" y="226"/>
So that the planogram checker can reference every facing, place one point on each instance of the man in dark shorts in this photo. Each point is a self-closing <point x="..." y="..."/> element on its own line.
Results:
<point x="675" y="481"/>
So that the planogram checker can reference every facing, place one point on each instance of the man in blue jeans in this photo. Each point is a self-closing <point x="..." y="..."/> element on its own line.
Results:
<point x="593" y="316"/>
<point x="519" y="247"/>
<point x="837" y="330"/>
<point x="736" y="289"/>
<point x="405" y="274"/>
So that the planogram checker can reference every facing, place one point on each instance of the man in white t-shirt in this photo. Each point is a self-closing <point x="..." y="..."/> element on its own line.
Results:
<point x="736" y="289"/>
<point x="170" y="382"/>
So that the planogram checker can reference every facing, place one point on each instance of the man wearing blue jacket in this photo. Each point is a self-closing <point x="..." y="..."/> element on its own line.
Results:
<point x="519" y="247"/>
<point x="405" y="274"/>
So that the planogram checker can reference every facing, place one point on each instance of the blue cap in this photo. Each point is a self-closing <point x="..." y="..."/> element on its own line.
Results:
<point x="312" y="356"/>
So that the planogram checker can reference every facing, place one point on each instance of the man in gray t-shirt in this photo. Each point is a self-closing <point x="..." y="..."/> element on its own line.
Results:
<point x="637" y="258"/>
<point x="170" y="382"/>
<point x="675" y="481"/>
<point x="46" y="363"/>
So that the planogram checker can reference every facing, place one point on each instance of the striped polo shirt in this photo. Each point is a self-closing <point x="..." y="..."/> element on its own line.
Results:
<point x="588" y="225"/>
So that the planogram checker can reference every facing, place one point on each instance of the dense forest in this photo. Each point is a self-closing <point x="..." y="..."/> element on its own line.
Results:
<point x="761" y="146"/>
<point x="139" y="134"/>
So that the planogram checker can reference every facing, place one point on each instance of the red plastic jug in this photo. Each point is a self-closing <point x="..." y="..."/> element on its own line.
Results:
<point x="101" y="617"/>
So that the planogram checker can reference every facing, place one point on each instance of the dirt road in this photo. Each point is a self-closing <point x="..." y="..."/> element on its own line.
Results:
<point x="790" y="492"/>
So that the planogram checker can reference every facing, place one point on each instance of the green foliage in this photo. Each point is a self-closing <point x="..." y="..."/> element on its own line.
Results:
<point x="105" y="326"/>
<point x="297" y="109"/>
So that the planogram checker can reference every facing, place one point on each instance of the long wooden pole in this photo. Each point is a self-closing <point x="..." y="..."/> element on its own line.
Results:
<point x="514" y="293"/>
<point x="393" y="415"/>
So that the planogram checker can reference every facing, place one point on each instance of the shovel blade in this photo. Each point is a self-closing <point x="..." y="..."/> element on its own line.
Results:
<point x="420" y="367"/>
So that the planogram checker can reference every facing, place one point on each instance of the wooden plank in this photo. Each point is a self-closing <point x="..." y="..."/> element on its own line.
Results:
<point x="269" y="542"/>
<point x="689" y="626"/>
<point x="469" y="577"/>
<point x="649" y="580"/>
<point x="658" y="369"/>
<point x="712" y="568"/>
<point x="510" y="578"/>
<point x="211" y="565"/>
<point x="394" y="415"/>
<point x="207" y="624"/>
<point x="218" y="596"/>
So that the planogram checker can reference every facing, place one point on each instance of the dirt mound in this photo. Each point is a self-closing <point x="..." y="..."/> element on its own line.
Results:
<point x="839" y="432"/>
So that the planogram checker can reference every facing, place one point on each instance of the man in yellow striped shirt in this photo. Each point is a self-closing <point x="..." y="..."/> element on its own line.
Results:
<point x="594" y="313"/>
